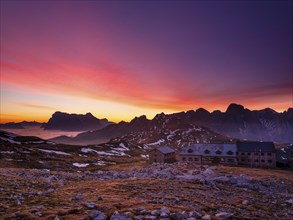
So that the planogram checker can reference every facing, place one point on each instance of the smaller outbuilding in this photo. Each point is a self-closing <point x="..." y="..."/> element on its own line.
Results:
<point x="163" y="154"/>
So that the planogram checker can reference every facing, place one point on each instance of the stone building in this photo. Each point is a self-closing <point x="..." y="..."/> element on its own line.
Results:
<point x="163" y="154"/>
<point x="258" y="154"/>
<point x="210" y="154"/>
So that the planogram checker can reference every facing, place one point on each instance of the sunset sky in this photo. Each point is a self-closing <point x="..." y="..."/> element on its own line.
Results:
<point x="120" y="59"/>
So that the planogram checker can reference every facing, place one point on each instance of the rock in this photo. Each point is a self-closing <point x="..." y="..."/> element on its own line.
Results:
<point x="245" y="202"/>
<point x="40" y="214"/>
<point x="179" y="216"/>
<point x="139" y="217"/>
<point x="77" y="197"/>
<point x="208" y="172"/>
<point x="165" y="210"/>
<point x="128" y="214"/>
<point x="289" y="202"/>
<point x="100" y="198"/>
<point x="90" y="205"/>
<point x="194" y="214"/>
<point x="191" y="218"/>
<point x="164" y="215"/>
<point x="206" y="217"/>
<point x="18" y="202"/>
<point x="56" y="218"/>
<point x="117" y="216"/>
<point x="150" y="217"/>
<point x="98" y="215"/>
<point x="155" y="212"/>
<point x="140" y="210"/>
<point x="224" y="215"/>
<point x="38" y="207"/>
<point x="51" y="190"/>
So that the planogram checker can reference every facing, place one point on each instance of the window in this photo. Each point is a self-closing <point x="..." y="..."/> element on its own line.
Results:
<point x="183" y="158"/>
<point x="270" y="161"/>
<point x="218" y="152"/>
<point x="243" y="160"/>
<point x="255" y="160"/>
<point x="190" y="159"/>
<point x="262" y="154"/>
<point x="230" y="152"/>
<point x="256" y="154"/>
<point x="262" y="161"/>
<point x="195" y="159"/>
<point x="190" y="151"/>
<point x="207" y="151"/>
<point x="242" y="153"/>
<point x="269" y="154"/>
<point x="249" y="154"/>
<point x="230" y="160"/>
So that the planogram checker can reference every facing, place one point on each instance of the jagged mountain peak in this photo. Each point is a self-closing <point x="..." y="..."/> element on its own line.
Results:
<point x="234" y="108"/>
<point x="202" y="111"/>
<point x="75" y="122"/>
<point x="140" y="118"/>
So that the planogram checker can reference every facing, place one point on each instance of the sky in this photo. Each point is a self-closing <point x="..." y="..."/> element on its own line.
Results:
<point x="120" y="59"/>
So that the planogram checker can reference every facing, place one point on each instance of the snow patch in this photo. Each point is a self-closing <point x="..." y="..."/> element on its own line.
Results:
<point x="157" y="142"/>
<point x="9" y="140"/>
<point x="7" y="152"/>
<point x="54" y="152"/>
<point x="88" y="150"/>
<point x="80" y="164"/>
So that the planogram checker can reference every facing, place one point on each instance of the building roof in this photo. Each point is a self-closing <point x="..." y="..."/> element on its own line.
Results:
<point x="253" y="146"/>
<point x="165" y="149"/>
<point x="227" y="150"/>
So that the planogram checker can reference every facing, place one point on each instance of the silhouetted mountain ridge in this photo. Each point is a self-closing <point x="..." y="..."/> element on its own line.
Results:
<point x="75" y="122"/>
<point x="20" y="125"/>
<point x="236" y="122"/>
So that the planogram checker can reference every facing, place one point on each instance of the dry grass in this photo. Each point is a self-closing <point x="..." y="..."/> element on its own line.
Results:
<point x="125" y="195"/>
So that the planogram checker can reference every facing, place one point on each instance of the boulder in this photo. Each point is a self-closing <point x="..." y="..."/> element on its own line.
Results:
<point x="98" y="215"/>
<point x="117" y="216"/>
<point x="194" y="214"/>
<point x="206" y="217"/>
<point x="224" y="215"/>
<point x="90" y="205"/>
<point x="150" y="217"/>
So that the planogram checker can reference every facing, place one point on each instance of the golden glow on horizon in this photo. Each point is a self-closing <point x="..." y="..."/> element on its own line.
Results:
<point x="116" y="112"/>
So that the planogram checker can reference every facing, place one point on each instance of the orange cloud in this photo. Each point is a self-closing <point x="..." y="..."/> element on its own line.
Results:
<point x="100" y="82"/>
<point x="36" y="106"/>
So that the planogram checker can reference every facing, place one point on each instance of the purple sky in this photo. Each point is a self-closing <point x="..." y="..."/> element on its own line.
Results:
<point x="152" y="55"/>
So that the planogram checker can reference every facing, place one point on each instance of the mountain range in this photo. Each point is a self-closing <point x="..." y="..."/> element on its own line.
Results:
<point x="178" y="129"/>
<point x="20" y="125"/>
<point x="181" y="128"/>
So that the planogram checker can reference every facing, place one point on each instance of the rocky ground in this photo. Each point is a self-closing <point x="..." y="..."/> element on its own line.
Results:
<point x="158" y="191"/>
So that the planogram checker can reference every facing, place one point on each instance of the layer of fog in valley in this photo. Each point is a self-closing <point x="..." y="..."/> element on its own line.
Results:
<point x="40" y="132"/>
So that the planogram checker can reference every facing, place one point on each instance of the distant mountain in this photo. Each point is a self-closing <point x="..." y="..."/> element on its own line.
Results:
<point x="146" y="133"/>
<point x="20" y="125"/>
<point x="240" y="122"/>
<point x="31" y="123"/>
<point x="75" y="122"/>
<point x="11" y="125"/>
<point x="180" y="129"/>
